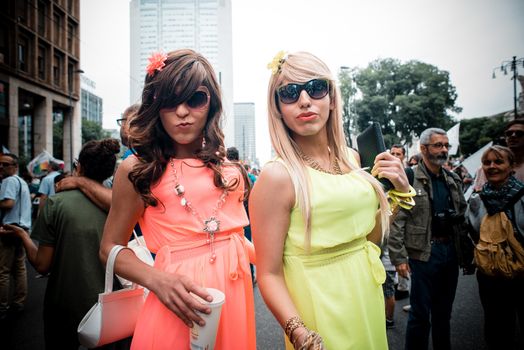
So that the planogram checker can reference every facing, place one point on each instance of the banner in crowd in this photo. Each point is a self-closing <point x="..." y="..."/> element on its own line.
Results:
<point x="453" y="136"/>
<point x="39" y="166"/>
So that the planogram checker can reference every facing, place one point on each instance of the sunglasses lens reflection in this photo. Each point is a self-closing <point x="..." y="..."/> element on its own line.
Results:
<point x="197" y="100"/>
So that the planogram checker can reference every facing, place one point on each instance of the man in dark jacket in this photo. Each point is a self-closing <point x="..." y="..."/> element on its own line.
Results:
<point x="432" y="235"/>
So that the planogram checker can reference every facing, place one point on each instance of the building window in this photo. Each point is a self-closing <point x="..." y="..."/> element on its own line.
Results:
<point x="22" y="11"/>
<point x="41" y="62"/>
<point x="23" y="47"/>
<point x="70" y="37"/>
<point x="3" y="100"/>
<point x="3" y="44"/>
<point x="57" y="24"/>
<point x="42" y="13"/>
<point x="57" y="70"/>
<point x="70" y="78"/>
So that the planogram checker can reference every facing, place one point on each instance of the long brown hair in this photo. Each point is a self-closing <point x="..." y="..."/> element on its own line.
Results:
<point x="184" y="72"/>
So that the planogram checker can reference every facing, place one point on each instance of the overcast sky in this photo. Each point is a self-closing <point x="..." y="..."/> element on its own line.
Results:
<point x="468" y="38"/>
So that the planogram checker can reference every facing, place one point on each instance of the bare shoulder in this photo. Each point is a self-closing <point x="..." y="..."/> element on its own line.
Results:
<point x="276" y="173"/>
<point x="128" y="164"/>
<point x="275" y="181"/>
<point x="355" y="155"/>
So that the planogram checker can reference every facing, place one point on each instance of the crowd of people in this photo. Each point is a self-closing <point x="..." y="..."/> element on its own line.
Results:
<point x="331" y="248"/>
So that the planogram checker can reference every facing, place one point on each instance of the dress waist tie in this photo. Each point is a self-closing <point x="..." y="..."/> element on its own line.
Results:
<point x="327" y="255"/>
<point x="237" y="253"/>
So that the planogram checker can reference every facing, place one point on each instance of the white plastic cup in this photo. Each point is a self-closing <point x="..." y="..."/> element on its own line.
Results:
<point x="203" y="338"/>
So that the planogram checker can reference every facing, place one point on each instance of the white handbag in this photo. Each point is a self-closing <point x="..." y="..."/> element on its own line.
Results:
<point x="138" y="246"/>
<point x="115" y="314"/>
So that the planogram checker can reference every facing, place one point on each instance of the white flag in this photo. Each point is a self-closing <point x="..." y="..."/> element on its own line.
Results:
<point x="453" y="136"/>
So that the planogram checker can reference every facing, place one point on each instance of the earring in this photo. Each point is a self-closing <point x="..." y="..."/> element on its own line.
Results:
<point x="203" y="142"/>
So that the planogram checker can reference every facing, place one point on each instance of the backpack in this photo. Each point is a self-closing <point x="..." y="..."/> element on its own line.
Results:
<point x="498" y="252"/>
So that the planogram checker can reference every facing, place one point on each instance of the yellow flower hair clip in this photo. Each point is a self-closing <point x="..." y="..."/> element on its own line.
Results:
<point x="277" y="61"/>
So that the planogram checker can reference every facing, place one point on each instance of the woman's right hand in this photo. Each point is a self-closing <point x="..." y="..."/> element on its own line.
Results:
<point x="173" y="290"/>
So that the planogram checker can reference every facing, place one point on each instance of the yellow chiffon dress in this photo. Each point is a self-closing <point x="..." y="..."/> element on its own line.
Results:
<point x="181" y="246"/>
<point x="337" y="287"/>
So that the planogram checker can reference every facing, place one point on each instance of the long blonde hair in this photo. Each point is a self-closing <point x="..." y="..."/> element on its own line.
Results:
<point x="302" y="67"/>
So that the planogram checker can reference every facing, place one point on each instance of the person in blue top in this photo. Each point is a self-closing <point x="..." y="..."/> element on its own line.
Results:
<point x="15" y="206"/>
<point x="47" y="185"/>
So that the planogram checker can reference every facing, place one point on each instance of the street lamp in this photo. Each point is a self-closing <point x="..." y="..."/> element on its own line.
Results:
<point x="513" y="65"/>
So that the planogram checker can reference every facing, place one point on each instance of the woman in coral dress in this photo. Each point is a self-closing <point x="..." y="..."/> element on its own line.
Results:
<point x="188" y="200"/>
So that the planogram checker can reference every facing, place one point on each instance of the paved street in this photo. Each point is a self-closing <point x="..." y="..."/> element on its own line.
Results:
<point x="24" y="331"/>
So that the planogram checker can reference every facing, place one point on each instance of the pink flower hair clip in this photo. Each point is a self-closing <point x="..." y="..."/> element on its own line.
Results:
<point x="156" y="62"/>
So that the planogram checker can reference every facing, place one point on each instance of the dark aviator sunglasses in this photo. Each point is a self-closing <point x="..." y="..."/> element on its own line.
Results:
<point x="516" y="133"/>
<point x="316" y="89"/>
<point x="198" y="100"/>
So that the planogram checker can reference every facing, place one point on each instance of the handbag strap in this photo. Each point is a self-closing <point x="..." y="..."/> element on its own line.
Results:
<point x="110" y="267"/>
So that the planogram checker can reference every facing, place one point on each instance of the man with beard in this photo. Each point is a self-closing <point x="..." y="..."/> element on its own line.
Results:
<point x="434" y="238"/>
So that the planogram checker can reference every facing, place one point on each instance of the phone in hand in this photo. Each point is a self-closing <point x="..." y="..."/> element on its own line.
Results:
<point x="370" y="143"/>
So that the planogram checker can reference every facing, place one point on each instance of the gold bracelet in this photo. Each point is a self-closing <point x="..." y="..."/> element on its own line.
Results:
<point x="313" y="341"/>
<point x="291" y="324"/>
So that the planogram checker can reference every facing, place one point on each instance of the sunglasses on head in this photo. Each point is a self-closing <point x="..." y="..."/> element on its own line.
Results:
<point x="516" y="133"/>
<point x="290" y="93"/>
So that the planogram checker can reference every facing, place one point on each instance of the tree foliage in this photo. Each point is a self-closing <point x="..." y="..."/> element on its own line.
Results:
<point x="475" y="133"/>
<point x="92" y="131"/>
<point x="405" y="98"/>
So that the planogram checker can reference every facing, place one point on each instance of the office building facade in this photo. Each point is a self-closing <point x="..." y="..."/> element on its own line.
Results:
<point x="245" y="136"/>
<point x="91" y="103"/>
<point x="39" y="77"/>
<point x="167" y="25"/>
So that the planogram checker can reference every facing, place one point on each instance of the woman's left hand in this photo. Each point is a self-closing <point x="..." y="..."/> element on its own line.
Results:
<point x="391" y="168"/>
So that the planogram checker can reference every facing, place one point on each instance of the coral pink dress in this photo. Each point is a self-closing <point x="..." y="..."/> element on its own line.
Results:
<point x="177" y="237"/>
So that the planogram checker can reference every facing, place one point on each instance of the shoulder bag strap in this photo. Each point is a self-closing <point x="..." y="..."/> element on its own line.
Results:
<point x="110" y="267"/>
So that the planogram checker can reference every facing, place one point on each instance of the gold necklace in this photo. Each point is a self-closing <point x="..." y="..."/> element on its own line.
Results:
<point x="211" y="224"/>
<point x="334" y="166"/>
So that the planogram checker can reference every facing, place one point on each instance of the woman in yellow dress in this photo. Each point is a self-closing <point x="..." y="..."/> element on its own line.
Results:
<point x="317" y="217"/>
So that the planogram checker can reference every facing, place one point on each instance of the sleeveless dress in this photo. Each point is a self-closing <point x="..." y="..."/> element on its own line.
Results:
<point x="337" y="288"/>
<point x="181" y="245"/>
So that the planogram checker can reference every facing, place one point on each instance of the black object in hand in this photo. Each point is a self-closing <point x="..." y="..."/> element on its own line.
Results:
<point x="370" y="142"/>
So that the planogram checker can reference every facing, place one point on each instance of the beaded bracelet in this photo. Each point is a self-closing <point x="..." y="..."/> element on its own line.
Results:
<point x="291" y="324"/>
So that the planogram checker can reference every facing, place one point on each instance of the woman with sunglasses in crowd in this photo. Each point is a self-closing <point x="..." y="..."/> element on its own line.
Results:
<point x="188" y="201"/>
<point x="314" y="216"/>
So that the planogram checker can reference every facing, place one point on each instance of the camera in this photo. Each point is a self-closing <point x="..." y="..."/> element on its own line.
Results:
<point x="442" y="221"/>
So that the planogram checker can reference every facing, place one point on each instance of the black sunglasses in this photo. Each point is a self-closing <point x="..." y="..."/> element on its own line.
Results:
<point x="198" y="100"/>
<point x="516" y="133"/>
<point x="121" y="121"/>
<point x="316" y="89"/>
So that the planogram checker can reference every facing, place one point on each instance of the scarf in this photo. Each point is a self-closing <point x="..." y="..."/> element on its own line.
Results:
<point x="501" y="199"/>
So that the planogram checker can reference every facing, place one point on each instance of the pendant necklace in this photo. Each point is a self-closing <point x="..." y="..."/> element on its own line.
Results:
<point x="211" y="224"/>
<point x="334" y="166"/>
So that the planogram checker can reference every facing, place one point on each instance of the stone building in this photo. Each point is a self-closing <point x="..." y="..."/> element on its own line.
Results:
<point x="40" y="77"/>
